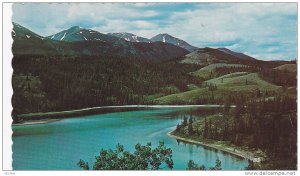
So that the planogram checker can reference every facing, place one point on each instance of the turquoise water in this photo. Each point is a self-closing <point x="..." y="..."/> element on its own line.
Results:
<point x="59" y="145"/>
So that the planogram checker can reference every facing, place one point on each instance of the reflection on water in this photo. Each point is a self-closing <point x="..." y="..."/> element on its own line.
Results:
<point x="191" y="150"/>
<point x="60" y="145"/>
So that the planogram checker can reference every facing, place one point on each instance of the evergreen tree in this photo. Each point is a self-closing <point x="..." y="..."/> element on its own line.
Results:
<point x="190" y="129"/>
<point x="205" y="132"/>
<point x="258" y="93"/>
<point x="250" y="165"/>
<point x="193" y="166"/>
<point x="190" y="120"/>
<point x="177" y="128"/>
<point x="217" y="166"/>
<point x="184" y="122"/>
<point x="209" y="129"/>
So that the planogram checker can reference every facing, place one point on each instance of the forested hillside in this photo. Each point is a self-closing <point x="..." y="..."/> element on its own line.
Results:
<point x="53" y="84"/>
<point x="268" y="125"/>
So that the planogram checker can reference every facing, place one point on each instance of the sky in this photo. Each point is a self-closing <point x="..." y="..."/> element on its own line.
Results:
<point x="266" y="31"/>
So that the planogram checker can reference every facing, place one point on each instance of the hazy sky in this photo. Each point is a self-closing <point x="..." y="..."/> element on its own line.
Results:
<point x="266" y="31"/>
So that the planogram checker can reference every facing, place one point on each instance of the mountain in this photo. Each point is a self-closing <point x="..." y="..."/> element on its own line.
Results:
<point x="20" y="32"/>
<point x="205" y="56"/>
<point x="239" y="55"/>
<point x="166" y="38"/>
<point x="77" y="33"/>
<point x="130" y="37"/>
<point x="77" y="41"/>
<point x="27" y="42"/>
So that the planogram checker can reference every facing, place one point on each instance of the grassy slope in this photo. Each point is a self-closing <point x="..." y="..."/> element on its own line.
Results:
<point x="240" y="78"/>
<point x="205" y="71"/>
<point x="288" y="67"/>
<point x="232" y="84"/>
<point x="198" y="58"/>
<point x="216" y="65"/>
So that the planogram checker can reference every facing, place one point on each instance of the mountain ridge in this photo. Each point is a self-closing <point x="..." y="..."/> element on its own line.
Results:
<point x="164" y="37"/>
<point x="206" y="56"/>
<point x="77" y="33"/>
<point x="167" y="38"/>
<point x="237" y="54"/>
<point x="106" y="46"/>
<point x="130" y="37"/>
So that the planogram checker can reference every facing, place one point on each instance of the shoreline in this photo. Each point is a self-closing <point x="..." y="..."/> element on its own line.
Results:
<point x="96" y="110"/>
<point x="34" y="122"/>
<point x="121" y="106"/>
<point x="228" y="149"/>
<point x="47" y="117"/>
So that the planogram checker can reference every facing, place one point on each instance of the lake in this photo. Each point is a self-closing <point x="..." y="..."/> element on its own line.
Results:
<point x="61" y="144"/>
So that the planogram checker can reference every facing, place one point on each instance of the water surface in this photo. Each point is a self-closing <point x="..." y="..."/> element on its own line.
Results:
<point x="59" y="145"/>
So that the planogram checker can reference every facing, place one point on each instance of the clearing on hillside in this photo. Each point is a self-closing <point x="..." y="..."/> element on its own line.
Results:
<point x="288" y="67"/>
<point x="206" y="71"/>
<point x="235" y="83"/>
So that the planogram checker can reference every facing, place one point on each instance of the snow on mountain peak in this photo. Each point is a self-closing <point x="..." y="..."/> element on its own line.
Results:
<point x="166" y="38"/>
<point x="14" y="33"/>
<point x="63" y="36"/>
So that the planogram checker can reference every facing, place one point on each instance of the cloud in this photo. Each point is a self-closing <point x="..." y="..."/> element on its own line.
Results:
<point x="251" y="25"/>
<point x="41" y="16"/>
<point x="244" y="27"/>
